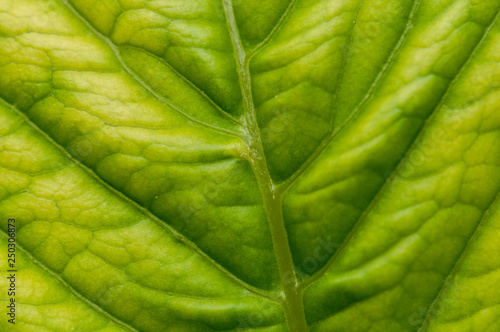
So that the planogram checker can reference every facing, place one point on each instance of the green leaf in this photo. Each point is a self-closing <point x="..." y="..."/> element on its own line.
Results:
<point x="218" y="165"/>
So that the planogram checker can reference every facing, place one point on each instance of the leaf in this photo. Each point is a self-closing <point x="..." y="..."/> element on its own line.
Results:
<point x="203" y="165"/>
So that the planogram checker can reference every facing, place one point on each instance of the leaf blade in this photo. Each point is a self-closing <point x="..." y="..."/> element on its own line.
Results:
<point x="111" y="261"/>
<point x="139" y="145"/>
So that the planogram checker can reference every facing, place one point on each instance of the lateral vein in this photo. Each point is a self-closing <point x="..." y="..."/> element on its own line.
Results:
<point x="146" y="86"/>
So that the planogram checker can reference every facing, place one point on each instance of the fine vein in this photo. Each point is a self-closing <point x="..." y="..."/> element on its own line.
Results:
<point x="145" y="85"/>
<point x="458" y="264"/>
<point x="191" y="84"/>
<point x="422" y="132"/>
<point x="273" y="32"/>
<point x="334" y="132"/>
<point x="73" y="291"/>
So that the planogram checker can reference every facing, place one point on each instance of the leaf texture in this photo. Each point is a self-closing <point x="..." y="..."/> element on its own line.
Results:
<point x="218" y="165"/>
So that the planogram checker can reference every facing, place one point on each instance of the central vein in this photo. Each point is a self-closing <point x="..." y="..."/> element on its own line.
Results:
<point x="271" y="196"/>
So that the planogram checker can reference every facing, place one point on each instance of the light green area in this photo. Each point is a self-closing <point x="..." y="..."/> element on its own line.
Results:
<point x="189" y="35"/>
<point x="229" y="165"/>
<point x="44" y="304"/>
<point x="469" y="301"/>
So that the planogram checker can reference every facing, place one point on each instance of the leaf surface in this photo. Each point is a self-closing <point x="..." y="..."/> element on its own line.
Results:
<point x="218" y="165"/>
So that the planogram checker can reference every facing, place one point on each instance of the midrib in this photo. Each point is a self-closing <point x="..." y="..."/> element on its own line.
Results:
<point x="271" y="195"/>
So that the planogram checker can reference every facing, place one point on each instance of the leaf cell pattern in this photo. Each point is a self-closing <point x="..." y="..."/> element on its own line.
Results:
<point x="218" y="165"/>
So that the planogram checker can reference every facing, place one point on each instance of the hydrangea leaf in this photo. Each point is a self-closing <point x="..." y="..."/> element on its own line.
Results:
<point x="218" y="165"/>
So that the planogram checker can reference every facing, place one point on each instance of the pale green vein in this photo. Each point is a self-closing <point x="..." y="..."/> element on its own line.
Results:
<point x="192" y="85"/>
<point x="292" y="301"/>
<point x="145" y="85"/>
